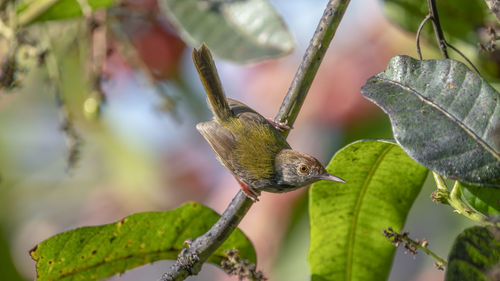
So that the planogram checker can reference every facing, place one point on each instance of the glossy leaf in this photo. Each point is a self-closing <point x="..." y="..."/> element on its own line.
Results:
<point x="61" y="9"/>
<point x="444" y="116"/>
<point x="240" y="31"/>
<point x="457" y="18"/>
<point x="96" y="252"/>
<point x="347" y="219"/>
<point x="485" y="200"/>
<point x="475" y="256"/>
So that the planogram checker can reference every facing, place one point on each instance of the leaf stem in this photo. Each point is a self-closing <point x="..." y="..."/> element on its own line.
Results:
<point x="191" y="259"/>
<point x="454" y="198"/>
<point x="419" y="52"/>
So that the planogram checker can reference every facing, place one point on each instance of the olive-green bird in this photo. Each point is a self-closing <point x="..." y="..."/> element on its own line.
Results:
<point x="250" y="145"/>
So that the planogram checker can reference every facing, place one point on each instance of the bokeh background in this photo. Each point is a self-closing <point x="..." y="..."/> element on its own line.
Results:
<point x="143" y="153"/>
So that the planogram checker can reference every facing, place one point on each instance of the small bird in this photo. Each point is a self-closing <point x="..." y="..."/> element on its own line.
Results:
<point x="248" y="144"/>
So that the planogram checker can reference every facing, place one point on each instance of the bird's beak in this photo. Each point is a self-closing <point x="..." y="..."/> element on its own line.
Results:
<point x="328" y="177"/>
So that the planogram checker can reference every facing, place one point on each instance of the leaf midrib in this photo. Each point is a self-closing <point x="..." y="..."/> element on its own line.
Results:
<point x="447" y="114"/>
<point x="357" y="209"/>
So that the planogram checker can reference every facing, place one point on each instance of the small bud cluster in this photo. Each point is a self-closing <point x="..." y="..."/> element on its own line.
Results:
<point x="397" y="238"/>
<point x="410" y="245"/>
<point x="234" y="265"/>
<point x="438" y="196"/>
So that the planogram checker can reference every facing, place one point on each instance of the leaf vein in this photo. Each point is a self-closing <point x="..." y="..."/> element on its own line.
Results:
<point x="357" y="208"/>
<point x="447" y="114"/>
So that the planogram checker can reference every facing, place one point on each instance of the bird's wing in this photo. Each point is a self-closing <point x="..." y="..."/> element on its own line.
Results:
<point x="245" y="113"/>
<point x="222" y="141"/>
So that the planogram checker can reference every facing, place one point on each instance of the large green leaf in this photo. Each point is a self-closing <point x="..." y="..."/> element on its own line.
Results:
<point x="483" y="199"/>
<point x="347" y="219"/>
<point x="458" y="18"/>
<point x="96" y="252"/>
<point x="57" y="9"/>
<point x="444" y="116"/>
<point x="240" y="31"/>
<point x="474" y="256"/>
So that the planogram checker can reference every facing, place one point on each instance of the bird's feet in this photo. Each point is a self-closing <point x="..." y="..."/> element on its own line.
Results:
<point x="249" y="192"/>
<point x="278" y="125"/>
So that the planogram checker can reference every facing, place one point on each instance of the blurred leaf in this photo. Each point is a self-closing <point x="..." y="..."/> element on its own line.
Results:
<point x="375" y="127"/>
<point x="240" y="31"/>
<point x="494" y="6"/>
<point x="444" y="116"/>
<point x="347" y="219"/>
<point x="474" y="256"/>
<point x="58" y="10"/>
<point x="7" y="268"/>
<point x="483" y="199"/>
<point x="96" y="252"/>
<point x="458" y="19"/>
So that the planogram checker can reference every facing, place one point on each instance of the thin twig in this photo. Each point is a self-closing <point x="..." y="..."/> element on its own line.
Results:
<point x="454" y="199"/>
<point x="419" y="52"/>
<point x="438" y="31"/>
<point x="463" y="56"/>
<point x="191" y="259"/>
<point x="73" y="138"/>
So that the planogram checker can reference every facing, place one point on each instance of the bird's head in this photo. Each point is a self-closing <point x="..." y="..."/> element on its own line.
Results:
<point x="298" y="169"/>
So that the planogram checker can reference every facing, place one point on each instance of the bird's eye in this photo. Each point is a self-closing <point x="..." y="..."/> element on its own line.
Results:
<point x="303" y="168"/>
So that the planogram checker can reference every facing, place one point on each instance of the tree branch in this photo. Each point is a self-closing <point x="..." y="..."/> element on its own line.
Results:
<point x="191" y="259"/>
<point x="438" y="31"/>
<point x="304" y="76"/>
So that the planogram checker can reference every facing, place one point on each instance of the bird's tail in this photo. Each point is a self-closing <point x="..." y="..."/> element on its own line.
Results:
<point x="210" y="78"/>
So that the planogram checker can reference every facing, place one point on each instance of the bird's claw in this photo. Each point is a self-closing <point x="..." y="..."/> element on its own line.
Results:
<point x="278" y="125"/>
<point x="188" y="242"/>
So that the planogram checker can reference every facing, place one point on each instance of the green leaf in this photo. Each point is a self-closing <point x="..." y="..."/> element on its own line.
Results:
<point x="96" y="252"/>
<point x="44" y="10"/>
<point x="457" y="18"/>
<point x="485" y="200"/>
<point x="474" y="256"/>
<point x="347" y="219"/>
<point x="444" y="116"/>
<point x="240" y="31"/>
